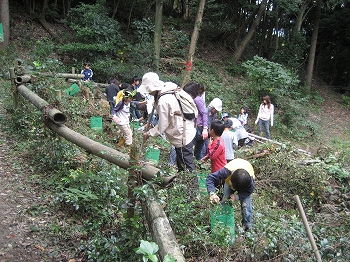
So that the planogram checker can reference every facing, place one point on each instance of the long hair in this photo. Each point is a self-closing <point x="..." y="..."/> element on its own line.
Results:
<point x="192" y="89"/>
<point x="268" y="100"/>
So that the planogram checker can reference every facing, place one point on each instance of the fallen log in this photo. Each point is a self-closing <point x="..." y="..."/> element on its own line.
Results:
<point x="277" y="143"/>
<point x="158" y="222"/>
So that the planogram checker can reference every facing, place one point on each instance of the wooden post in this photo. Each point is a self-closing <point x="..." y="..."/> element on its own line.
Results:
<point x="73" y="70"/>
<point x="308" y="230"/>
<point x="13" y="84"/>
<point x="58" y="95"/>
<point x="134" y="179"/>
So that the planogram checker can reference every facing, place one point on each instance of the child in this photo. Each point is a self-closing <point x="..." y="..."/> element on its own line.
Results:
<point x="230" y="140"/>
<point x="225" y="116"/>
<point x="216" y="148"/>
<point x="121" y="116"/>
<point x="87" y="72"/>
<point x="239" y="177"/>
<point x="243" y="117"/>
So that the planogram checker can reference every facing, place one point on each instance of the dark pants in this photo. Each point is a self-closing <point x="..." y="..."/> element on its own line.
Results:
<point x="198" y="144"/>
<point x="184" y="158"/>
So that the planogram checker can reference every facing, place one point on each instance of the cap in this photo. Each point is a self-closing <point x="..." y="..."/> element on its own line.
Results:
<point x="150" y="83"/>
<point x="228" y="123"/>
<point x="224" y="115"/>
<point x="216" y="103"/>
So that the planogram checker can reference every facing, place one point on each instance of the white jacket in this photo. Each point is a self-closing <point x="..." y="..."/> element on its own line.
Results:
<point x="171" y="121"/>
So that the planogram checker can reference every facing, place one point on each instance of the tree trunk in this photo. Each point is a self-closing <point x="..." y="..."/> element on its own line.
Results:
<point x="240" y="49"/>
<point x="5" y="20"/>
<point x="300" y="18"/>
<point x="311" y="60"/>
<point x="158" y="33"/>
<point x="185" y="10"/>
<point x="193" y="43"/>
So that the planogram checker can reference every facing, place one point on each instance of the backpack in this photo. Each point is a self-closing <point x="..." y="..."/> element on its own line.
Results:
<point x="188" y="107"/>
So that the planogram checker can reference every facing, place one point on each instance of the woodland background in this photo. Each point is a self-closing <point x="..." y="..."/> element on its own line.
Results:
<point x="295" y="51"/>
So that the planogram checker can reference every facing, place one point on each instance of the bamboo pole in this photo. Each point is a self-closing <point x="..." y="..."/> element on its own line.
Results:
<point x="160" y="227"/>
<point x="63" y="75"/>
<point x="308" y="230"/>
<point x="278" y="143"/>
<point x="13" y="84"/>
<point x="54" y="114"/>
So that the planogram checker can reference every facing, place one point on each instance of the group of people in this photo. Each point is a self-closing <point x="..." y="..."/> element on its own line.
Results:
<point x="204" y="138"/>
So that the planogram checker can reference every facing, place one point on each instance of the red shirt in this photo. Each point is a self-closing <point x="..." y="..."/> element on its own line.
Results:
<point x="216" y="153"/>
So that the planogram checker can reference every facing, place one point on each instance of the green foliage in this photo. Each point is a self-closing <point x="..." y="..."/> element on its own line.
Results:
<point x="339" y="173"/>
<point x="174" y="43"/>
<point x="345" y="100"/>
<point x="269" y="78"/>
<point x="95" y="31"/>
<point x="103" y="249"/>
<point x="291" y="53"/>
<point x="149" y="250"/>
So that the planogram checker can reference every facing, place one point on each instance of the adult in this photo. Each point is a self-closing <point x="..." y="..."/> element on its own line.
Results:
<point x="111" y="92"/>
<point x="213" y="108"/>
<point x="265" y="116"/>
<point x="178" y="131"/>
<point x="135" y="112"/>
<point x="192" y="89"/>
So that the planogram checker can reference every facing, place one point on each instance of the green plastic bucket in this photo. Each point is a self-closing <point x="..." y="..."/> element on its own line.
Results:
<point x="135" y="124"/>
<point x="96" y="123"/>
<point x="152" y="155"/>
<point x="222" y="222"/>
<point x="73" y="89"/>
<point x="202" y="183"/>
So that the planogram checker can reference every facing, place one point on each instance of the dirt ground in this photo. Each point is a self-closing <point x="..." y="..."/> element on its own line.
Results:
<point x="21" y="237"/>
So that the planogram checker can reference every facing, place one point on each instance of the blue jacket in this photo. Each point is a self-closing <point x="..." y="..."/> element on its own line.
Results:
<point x="87" y="74"/>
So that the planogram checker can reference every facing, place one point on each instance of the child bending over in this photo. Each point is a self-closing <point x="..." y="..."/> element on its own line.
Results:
<point x="237" y="177"/>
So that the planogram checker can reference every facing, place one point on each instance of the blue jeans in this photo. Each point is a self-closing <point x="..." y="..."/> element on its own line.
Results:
<point x="266" y="125"/>
<point x="246" y="207"/>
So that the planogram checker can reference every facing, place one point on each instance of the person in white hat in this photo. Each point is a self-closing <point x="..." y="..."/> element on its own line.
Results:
<point x="178" y="131"/>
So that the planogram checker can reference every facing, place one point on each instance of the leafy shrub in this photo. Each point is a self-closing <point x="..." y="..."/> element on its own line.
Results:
<point x="174" y="43"/>
<point x="95" y="31"/>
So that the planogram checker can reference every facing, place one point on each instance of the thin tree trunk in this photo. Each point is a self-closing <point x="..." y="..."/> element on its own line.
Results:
<point x="115" y="8"/>
<point x="5" y="20"/>
<point x="193" y="43"/>
<point x="300" y="18"/>
<point x="158" y="33"/>
<point x="185" y="11"/>
<point x="239" y="51"/>
<point x="312" y="52"/>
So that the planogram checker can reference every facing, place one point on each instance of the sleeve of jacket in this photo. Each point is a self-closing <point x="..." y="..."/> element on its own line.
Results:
<point x="258" y="116"/>
<point x="163" y="123"/>
<point x="272" y="112"/>
<point x="118" y="107"/>
<point x="214" y="179"/>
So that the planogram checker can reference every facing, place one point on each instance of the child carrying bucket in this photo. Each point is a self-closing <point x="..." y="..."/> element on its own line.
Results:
<point x="238" y="177"/>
